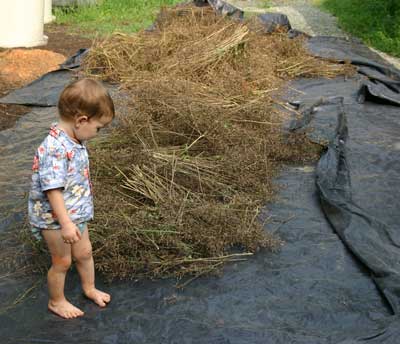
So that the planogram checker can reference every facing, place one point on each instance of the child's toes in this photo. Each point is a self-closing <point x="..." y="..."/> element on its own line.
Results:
<point x="77" y="313"/>
<point x="98" y="297"/>
<point x="99" y="301"/>
<point x="64" y="309"/>
<point x="106" y="297"/>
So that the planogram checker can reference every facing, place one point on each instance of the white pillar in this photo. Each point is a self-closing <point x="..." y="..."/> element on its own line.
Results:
<point x="21" y="23"/>
<point x="48" y="16"/>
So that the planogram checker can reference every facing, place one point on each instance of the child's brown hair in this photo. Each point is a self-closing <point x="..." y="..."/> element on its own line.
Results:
<point x="86" y="97"/>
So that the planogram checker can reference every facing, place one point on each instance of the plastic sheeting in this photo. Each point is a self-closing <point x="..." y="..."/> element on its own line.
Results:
<point x="225" y="8"/>
<point x="383" y="80"/>
<point x="356" y="180"/>
<point x="336" y="279"/>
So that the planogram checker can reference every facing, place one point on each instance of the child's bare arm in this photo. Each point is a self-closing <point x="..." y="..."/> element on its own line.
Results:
<point x="69" y="231"/>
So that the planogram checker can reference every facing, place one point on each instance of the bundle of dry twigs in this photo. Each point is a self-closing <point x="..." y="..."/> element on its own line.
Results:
<point x="185" y="174"/>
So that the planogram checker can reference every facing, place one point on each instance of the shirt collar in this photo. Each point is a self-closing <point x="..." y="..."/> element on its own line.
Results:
<point x="63" y="137"/>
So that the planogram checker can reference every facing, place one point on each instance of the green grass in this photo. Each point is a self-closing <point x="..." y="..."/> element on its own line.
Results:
<point x="265" y="3"/>
<point x="111" y="15"/>
<point x="376" y="22"/>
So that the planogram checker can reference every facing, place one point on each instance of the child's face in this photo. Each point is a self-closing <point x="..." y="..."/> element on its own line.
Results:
<point x="88" y="128"/>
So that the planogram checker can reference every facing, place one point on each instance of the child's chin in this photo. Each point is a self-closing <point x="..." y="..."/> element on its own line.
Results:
<point x="85" y="138"/>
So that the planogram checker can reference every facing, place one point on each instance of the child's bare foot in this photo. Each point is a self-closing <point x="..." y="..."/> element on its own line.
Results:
<point x="65" y="309"/>
<point x="98" y="297"/>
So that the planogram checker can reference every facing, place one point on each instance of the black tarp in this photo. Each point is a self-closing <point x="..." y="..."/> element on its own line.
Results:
<point x="382" y="80"/>
<point x="335" y="280"/>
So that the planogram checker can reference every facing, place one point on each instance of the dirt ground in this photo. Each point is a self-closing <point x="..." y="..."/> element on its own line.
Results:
<point x="60" y="41"/>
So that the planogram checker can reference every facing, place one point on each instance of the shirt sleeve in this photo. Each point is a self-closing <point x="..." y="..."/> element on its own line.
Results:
<point x="53" y="166"/>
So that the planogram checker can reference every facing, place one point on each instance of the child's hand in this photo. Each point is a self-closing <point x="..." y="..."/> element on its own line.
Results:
<point x="70" y="233"/>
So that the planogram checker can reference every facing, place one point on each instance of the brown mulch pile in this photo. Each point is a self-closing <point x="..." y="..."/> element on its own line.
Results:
<point x="21" y="66"/>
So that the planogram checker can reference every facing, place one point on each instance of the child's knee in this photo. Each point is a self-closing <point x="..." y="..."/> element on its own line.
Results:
<point x="61" y="263"/>
<point x="84" y="254"/>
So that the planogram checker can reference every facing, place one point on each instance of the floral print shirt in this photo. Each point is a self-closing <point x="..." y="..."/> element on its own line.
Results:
<point x="60" y="162"/>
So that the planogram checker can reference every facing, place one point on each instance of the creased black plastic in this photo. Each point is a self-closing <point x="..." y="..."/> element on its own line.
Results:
<point x="379" y="248"/>
<point x="225" y="8"/>
<point x="381" y="79"/>
<point x="364" y="213"/>
<point x="374" y="243"/>
<point x="271" y="21"/>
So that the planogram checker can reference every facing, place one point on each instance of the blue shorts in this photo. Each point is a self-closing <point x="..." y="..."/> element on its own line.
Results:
<point x="37" y="232"/>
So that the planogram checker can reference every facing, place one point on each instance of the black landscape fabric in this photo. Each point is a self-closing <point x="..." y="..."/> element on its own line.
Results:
<point x="335" y="280"/>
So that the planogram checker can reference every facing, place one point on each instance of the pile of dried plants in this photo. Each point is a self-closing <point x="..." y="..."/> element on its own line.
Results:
<point x="179" y="183"/>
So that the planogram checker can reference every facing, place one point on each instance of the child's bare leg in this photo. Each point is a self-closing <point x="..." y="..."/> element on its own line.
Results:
<point x="82" y="253"/>
<point x="61" y="261"/>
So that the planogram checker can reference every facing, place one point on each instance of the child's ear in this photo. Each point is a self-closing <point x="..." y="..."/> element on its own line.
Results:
<point x="81" y="120"/>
